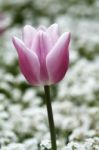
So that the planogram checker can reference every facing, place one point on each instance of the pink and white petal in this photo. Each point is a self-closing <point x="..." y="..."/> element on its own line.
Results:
<point x="57" y="60"/>
<point x="28" y="35"/>
<point x="29" y="63"/>
<point x="42" y="28"/>
<point x="53" y="32"/>
<point x="30" y="67"/>
<point x="41" y="44"/>
<point x="41" y="47"/>
<point x="19" y="45"/>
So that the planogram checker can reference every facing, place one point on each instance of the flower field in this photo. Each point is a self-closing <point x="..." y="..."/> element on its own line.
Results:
<point x="75" y="100"/>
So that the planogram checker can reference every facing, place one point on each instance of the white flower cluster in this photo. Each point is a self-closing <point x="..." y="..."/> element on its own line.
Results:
<point x="23" y="116"/>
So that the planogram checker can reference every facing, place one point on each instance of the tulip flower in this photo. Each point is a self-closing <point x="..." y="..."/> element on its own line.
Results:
<point x="44" y="58"/>
<point x="43" y="54"/>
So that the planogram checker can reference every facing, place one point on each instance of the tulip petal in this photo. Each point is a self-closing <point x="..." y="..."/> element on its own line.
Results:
<point x="29" y="63"/>
<point x="41" y="43"/>
<point x="58" y="59"/>
<point x="28" y="35"/>
<point x="43" y="28"/>
<point x="53" y="32"/>
<point x="41" y="47"/>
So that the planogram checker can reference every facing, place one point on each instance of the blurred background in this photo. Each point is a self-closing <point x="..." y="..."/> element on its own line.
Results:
<point x="23" y="117"/>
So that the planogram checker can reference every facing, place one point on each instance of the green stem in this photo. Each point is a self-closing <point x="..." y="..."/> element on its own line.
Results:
<point x="50" y="117"/>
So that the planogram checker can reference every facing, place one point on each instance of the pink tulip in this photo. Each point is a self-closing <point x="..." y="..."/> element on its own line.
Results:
<point x="43" y="54"/>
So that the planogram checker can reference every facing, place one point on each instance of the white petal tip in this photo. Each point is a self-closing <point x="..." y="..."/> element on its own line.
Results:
<point x="27" y="26"/>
